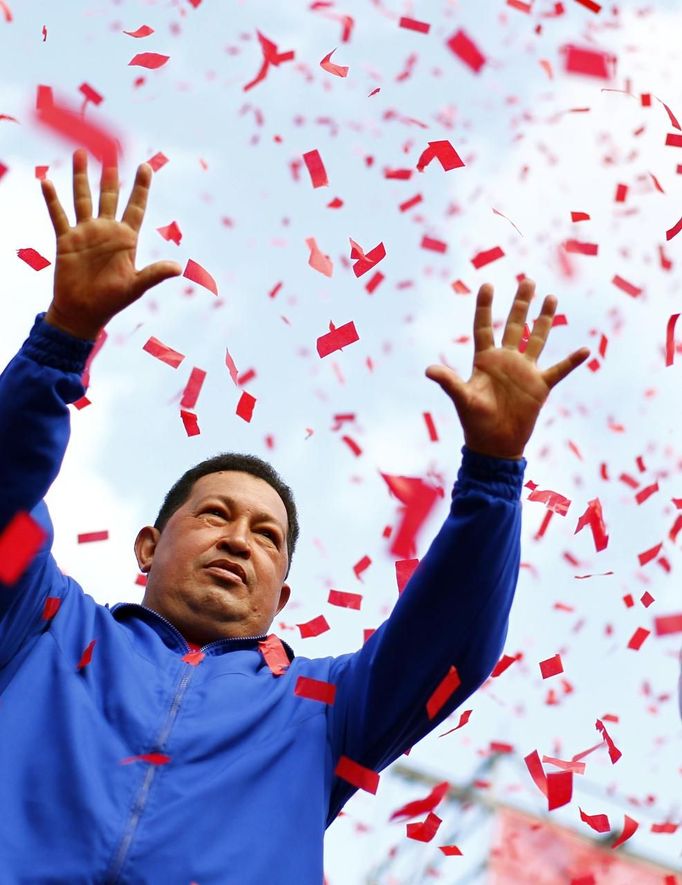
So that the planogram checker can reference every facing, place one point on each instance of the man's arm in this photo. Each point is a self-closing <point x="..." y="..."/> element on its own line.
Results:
<point x="95" y="278"/>
<point x="454" y="611"/>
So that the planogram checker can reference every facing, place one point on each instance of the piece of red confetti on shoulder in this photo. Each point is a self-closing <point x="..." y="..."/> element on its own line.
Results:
<point x="315" y="690"/>
<point x="151" y="758"/>
<point x="274" y="654"/>
<point x="33" y="259"/>
<point x="20" y="541"/>
<point x="86" y="657"/>
<point x="52" y="604"/>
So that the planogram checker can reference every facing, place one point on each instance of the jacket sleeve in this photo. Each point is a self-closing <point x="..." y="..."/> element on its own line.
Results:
<point x="36" y="387"/>
<point x="453" y="611"/>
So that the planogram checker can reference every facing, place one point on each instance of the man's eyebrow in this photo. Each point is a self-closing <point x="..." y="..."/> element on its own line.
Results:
<point x="260" y="516"/>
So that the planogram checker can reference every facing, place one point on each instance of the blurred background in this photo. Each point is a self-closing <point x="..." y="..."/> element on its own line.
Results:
<point x="564" y="118"/>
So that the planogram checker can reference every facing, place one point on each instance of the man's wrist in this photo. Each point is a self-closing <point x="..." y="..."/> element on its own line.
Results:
<point x="75" y="329"/>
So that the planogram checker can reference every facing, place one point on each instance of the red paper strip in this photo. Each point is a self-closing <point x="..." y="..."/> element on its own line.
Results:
<point x="537" y="772"/>
<point x="463" y="719"/>
<point x="504" y="662"/>
<point x="578" y="248"/>
<point x="317" y="260"/>
<point x="637" y="638"/>
<point x="86" y="657"/>
<point x="171" y="232"/>
<point x="590" y="4"/>
<point x="274" y="654"/>
<point x="551" y="667"/>
<point x="192" y="389"/>
<point x="271" y="56"/>
<point x="445" y="688"/>
<point x="197" y="274"/>
<point x="664" y="828"/>
<point x="336" y="339"/>
<point x="166" y="354"/>
<point x="628" y="288"/>
<point x="358" y="775"/>
<point x="575" y="767"/>
<point x="315" y="166"/>
<point x="559" y="789"/>
<point x="434" y="245"/>
<point x="672" y="139"/>
<point x="598" y="822"/>
<point x="328" y="65"/>
<point x="579" y="216"/>
<point x="467" y="51"/>
<point x="87" y="537"/>
<point x="664" y="625"/>
<point x="442" y="151"/>
<point x="593" y="518"/>
<point x="20" y="541"/>
<point x="482" y="258"/>
<point x="411" y="24"/>
<point x="590" y="62"/>
<point x="426" y="830"/>
<point x="70" y="124"/>
<point x="674" y="230"/>
<point x="190" y="423"/>
<point x="142" y="31"/>
<point x="151" y="758"/>
<point x="404" y="569"/>
<point x="670" y="339"/>
<point x="408" y="204"/>
<point x="150" y="60"/>
<point x="614" y="752"/>
<point x="630" y="827"/>
<point x="345" y="600"/>
<point x="245" y="406"/>
<point x="422" y="806"/>
<point x="157" y="161"/>
<point x="315" y="627"/>
<point x="33" y="259"/>
<point x="51" y="607"/>
<point x="315" y="690"/>
<point x="90" y="94"/>
<point x="431" y="427"/>
<point x="368" y="261"/>
<point x="452" y="850"/>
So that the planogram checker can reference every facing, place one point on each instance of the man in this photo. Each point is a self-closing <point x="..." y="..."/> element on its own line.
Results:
<point x="127" y="758"/>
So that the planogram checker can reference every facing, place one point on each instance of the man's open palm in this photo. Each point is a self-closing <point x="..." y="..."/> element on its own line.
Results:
<point x="95" y="276"/>
<point x="499" y="405"/>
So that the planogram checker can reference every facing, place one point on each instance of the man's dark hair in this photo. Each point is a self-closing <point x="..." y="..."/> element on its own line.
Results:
<point x="182" y="489"/>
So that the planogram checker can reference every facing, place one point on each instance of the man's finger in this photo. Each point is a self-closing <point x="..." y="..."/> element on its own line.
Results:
<point x="154" y="274"/>
<point x="483" y="319"/>
<point x="108" y="192"/>
<point x="134" y="211"/>
<point x="541" y="327"/>
<point x="60" y="222"/>
<point x="82" y="201"/>
<point x="517" y="315"/>
<point x="558" y="372"/>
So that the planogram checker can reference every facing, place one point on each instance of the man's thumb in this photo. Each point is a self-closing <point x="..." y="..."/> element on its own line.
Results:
<point x="156" y="273"/>
<point x="449" y="381"/>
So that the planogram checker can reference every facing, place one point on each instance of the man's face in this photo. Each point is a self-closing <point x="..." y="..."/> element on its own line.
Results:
<point x="231" y="516"/>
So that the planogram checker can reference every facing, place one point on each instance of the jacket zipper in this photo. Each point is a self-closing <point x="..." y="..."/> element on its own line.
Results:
<point x="151" y="771"/>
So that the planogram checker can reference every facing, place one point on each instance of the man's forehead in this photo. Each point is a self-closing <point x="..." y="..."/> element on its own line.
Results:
<point x="244" y="489"/>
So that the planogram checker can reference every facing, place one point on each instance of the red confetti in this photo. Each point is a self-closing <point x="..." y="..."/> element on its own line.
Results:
<point x="41" y="172"/>
<point x="630" y="827"/>
<point x="192" y="389"/>
<point x="52" y="604"/>
<point x="150" y="60"/>
<point x="166" y="354"/>
<point x="151" y="758"/>
<point x="434" y="245"/>
<point x="670" y="339"/>
<point x="197" y="274"/>
<point x="559" y="789"/>
<point x="315" y="166"/>
<point x="20" y="541"/>
<point x="86" y="657"/>
<point x="452" y="850"/>
<point x="157" y="161"/>
<point x="171" y="232"/>
<point x="626" y="287"/>
<point x="330" y="67"/>
<point x="672" y="139"/>
<point x="411" y="24"/>
<point x="194" y="658"/>
<point x="674" y="230"/>
<point x="578" y="248"/>
<point x="88" y="537"/>
<point x="590" y="62"/>
<point x="593" y="518"/>
<point x="504" y="662"/>
<point x="467" y="51"/>
<point x="33" y="259"/>
<point x="551" y="667"/>
<point x="482" y="258"/>
<point x="245" y="406"/>
<point x="4" y="169"/>
<point x="368" y="261"/>
<point x="463" y="719"/>
<point x="668" y="827"/>
<point x="579" y="216"/>
<point x="590" y="4"/>
<point x="663" y="625"/>
<point x="142" y="31"/>
<point x="408" y="204"/>
<point x="190" y="423"/>
<point x="358" y="775"/>
<point x="598" y="822"/>
<point x="271" y="56"/>
<point x="317" y="260"/>
<point x="637" y="638"/>
<point x="537" y="772"/>
<point x="422" y="806"/>
<point x="90" y="94"/>
<point x="315" y="627"/>
<point x="426" y="830"/>
<point x="315" y="690"/>
<point x="345" y="600"/>
<point x="274" y="654"/>
<point x="336" y="339"/>
<point x="442" y="151"/>
<point x="6" y="11"/>
<point x="446" y="687"/>
<point x="614" y="752"/>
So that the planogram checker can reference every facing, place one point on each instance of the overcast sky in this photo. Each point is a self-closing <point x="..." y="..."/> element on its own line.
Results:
<point x="539" y="143"/>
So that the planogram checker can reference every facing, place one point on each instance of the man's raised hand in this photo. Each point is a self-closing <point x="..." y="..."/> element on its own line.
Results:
<point x="95" y="276"/>
<point x="499" y="405"/>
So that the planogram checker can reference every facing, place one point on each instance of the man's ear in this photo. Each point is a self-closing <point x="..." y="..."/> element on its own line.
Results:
<point x="284" y="595"/>
<point x="145" y="545"/>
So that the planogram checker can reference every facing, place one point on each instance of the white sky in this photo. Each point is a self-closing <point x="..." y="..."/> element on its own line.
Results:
<point x="129" y="446"/>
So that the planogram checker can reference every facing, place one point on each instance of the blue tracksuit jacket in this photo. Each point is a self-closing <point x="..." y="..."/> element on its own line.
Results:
<point x="250" y="786"/>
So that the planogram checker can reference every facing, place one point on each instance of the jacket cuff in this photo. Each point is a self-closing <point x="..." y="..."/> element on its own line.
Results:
<point x="503" y="476"/>
<point x="50" y="346"/>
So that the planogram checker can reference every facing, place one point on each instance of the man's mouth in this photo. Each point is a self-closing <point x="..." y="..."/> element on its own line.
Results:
<point x="224" y="574"/>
